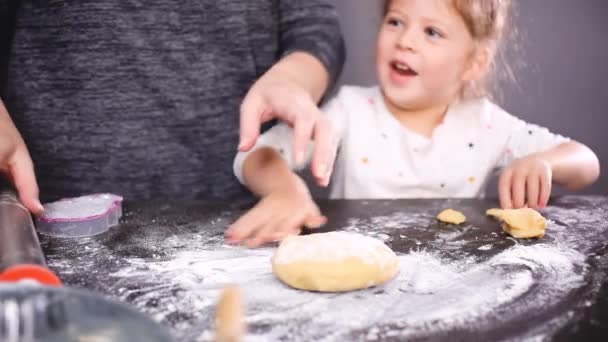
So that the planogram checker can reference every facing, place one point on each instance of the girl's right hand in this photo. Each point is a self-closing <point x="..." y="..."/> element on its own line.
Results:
<point x="281" y="213"/>
<point x="526" y="182"/>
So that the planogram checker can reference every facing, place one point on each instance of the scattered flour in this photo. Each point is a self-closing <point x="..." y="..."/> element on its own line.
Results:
<point x="429" y="291"/>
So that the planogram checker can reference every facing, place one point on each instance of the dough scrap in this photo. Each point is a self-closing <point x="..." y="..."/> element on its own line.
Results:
<point x="451" y="216"/>
<point x="520" y="223"/>
<point x="229" y="322"/>
<point x="334" y="262"/>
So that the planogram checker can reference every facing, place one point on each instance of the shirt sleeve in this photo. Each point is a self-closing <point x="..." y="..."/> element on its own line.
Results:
<point x="312" y="26"/>
<point x="519" y="138"/>
<point x="280" y="138"/>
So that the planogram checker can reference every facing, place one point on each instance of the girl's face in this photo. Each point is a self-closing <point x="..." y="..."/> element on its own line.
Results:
<point x="425" y="54"/>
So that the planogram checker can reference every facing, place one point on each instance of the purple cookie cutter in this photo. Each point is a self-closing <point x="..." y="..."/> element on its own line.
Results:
<point x="80" y="216"/>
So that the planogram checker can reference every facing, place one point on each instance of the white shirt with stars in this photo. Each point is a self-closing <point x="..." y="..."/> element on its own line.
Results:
<point x="380" y="158"/>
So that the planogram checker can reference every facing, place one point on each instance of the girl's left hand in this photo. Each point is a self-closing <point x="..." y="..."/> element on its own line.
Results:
<point x="526" y="182"/>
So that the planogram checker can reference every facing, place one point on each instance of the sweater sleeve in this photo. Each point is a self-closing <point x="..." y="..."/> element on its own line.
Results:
<point x="312" y="26"/>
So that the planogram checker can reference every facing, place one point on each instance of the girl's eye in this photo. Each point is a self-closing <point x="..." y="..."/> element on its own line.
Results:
<point x="394" y="22"/>
<point x="433" y="32"/>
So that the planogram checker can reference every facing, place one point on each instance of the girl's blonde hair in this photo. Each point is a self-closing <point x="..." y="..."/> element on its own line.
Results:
<point x="486" y="21"/>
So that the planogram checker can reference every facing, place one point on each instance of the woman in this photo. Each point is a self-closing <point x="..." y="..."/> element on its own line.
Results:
<point x="141" y="98"/>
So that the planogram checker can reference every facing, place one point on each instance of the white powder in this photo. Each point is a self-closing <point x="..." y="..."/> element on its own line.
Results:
<point x="332" y="247"/>
<point x="429" y="294"/>
<point x="485" y="247"/>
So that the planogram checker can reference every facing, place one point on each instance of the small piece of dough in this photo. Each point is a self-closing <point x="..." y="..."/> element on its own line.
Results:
<point x="229" y="323"/>
<point x="334" y="262"/>
<point x="451" y="216"/>
<point x="520" y="223"/>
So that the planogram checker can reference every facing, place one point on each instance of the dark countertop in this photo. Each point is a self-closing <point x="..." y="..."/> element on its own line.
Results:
<point x="169" y="259"/>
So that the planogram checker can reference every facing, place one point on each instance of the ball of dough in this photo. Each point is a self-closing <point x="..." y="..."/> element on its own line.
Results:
<point x="334" y="262"/>
<point x="520" y="223"/>
<point x="451" y="216"/>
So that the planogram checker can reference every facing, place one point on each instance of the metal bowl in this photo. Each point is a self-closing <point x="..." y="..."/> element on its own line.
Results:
<point x="30" y="313"/>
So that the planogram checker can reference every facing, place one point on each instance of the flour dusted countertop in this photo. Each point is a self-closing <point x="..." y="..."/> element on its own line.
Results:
<point x="467" y="282"/>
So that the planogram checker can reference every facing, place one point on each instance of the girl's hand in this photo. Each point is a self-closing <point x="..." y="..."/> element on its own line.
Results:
<point x="281" y="213"/>
<point x="526" y="182"/>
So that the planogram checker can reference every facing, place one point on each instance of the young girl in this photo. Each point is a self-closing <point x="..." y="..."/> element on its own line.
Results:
<point x="428" y="130"/>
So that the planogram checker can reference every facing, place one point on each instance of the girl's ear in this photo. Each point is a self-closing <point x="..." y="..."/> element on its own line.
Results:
<point x="478" y="65"/>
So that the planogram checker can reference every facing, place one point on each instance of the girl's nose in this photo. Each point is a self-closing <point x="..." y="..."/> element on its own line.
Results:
<point x="407" y="40"/>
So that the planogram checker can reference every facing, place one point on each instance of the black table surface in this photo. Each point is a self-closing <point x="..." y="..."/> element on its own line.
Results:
<point x="126" y="262"/>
